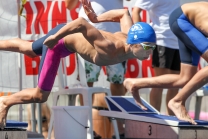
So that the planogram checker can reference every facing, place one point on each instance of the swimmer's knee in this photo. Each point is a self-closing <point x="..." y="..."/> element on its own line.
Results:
<point x="40" y="96"/>
<point x="40" y="99"/>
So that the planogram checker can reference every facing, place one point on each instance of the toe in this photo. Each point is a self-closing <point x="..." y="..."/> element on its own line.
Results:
<point x="143" y="107"/>
<point x="193" y="122"/>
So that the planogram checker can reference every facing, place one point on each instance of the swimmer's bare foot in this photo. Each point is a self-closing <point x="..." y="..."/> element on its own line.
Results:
<point x="3" y="112"/>
<point x="130" y="85"/>
<point x="180" y="111"/>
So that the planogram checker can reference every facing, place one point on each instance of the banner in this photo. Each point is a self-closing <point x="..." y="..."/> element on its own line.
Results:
<point x="37" y="18"/>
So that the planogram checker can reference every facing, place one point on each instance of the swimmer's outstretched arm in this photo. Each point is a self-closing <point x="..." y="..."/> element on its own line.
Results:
<point x="80" y="25"/>
<point x="118" y="15"/>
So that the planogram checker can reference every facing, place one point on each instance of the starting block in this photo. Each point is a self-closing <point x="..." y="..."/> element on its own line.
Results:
<point x="14" y="130"/>
<point x="150" y="124"/>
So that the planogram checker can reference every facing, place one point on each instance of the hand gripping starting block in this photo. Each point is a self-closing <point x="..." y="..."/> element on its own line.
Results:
<point x="150" y="124"/>
<point x="14" y="130"/>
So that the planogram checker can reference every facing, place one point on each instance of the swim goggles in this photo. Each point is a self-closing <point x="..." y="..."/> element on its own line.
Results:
<point x="147" y="46"/>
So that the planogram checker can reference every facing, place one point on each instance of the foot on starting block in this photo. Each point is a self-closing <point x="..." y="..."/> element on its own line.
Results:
<point x="141" y="124"/>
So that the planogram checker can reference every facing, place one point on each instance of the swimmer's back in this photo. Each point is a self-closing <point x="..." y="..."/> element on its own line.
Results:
<point x="113" y="42"/>
<point x="197" y="15"/>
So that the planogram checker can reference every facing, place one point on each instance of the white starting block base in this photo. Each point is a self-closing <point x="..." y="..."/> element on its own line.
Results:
<point x="150" y="124"/>
<point x="144" y="130"/>
<point x="13" y="134"/>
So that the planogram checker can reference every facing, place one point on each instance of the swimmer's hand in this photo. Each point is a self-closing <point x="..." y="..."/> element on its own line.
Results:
<point x="89" y="11"/>
<point x="130" y="85"/>
<point x="138" y="100"/>
<point x="50" y="42"/>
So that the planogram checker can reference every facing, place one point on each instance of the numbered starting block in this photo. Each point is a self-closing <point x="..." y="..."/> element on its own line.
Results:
<point x="150" y="124"/>
<point x="14" y="130"/>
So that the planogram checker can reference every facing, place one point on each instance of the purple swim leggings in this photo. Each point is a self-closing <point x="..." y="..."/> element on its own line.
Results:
<point x="49" y="65"/>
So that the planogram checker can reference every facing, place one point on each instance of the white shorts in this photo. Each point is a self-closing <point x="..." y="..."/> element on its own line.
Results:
<point x="115" y="73"/>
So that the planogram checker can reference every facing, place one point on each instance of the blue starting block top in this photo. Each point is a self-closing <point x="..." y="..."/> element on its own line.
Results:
<point x="127" y="104"/>
<point x="127" y="108"/>
<point x="15" y="124"/>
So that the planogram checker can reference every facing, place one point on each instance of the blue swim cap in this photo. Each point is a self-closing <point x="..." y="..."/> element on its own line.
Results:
<point x="141" y="32"/>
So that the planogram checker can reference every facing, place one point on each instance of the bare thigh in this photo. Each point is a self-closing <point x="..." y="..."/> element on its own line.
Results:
<point x="21" y="46"/>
